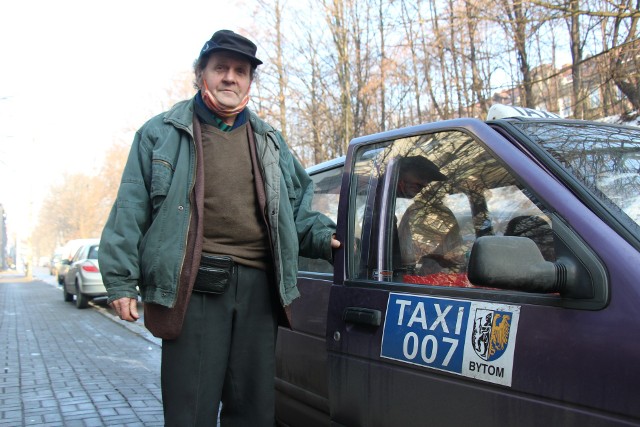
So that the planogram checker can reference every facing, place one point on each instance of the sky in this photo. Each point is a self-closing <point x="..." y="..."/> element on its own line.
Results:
<point x="78" y="75"/>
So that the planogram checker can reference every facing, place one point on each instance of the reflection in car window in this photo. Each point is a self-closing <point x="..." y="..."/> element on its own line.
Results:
<point x="419" y="227"/>
<point x="606" y="159"/>
<point x="326" y="194"/>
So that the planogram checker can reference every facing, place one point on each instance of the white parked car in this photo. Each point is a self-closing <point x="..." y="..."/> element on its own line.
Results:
<point x="83" y="278"/>
<point x="62" y="257"/>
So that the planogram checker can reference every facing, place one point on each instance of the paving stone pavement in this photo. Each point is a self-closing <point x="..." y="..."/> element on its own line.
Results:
<point x="60" y="366"/>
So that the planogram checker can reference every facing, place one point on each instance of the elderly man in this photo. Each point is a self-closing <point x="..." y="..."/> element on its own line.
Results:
<point x="211" y="214"/>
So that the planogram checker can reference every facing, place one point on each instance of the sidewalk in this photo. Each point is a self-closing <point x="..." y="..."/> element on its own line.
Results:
<point x="60" y="366"/>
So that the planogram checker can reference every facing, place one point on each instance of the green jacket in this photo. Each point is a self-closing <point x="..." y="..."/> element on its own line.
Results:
<point x="153" y="236"/>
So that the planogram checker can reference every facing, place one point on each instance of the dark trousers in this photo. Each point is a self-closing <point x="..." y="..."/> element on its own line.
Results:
<point x="225" y="353"/>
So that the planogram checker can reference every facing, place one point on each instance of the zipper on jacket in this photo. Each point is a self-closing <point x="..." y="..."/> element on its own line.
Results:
<point x="194" y="206"/>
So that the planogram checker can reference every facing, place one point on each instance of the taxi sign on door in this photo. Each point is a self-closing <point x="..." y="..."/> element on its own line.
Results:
<point x="469" y="338"/>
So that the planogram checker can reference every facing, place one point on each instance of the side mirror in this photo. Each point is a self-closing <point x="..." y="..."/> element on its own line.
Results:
<point x="65" y="262"/>
<point x="515" y="263"/>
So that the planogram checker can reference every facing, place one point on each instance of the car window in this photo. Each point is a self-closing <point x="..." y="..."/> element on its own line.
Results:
<point x="78" y="254"/>
<point x="93" y="252"/>
<point x="427" y="199"/>
<point x="326" y="195"/>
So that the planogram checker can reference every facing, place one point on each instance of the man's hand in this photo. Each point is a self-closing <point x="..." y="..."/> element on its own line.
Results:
<point x="335" y="244"/>
<point x="127" y="309"/>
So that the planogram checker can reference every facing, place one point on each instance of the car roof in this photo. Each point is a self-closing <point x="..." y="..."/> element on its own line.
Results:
<point x="72" y="246"/>
<point x="329" y="164"/>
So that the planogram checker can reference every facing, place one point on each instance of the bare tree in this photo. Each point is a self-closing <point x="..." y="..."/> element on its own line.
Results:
<point x="626" y="54"/>
<point x="338" y="27"/>
<point x="279" y="64"/>
<point x="477" y="83"/>
<point x="270" y="91"/>
<point x="182" y="87"/>
<point x="616" y="23"/>
<point x="516" y="25"/>
<point x="411" y="35"/>
<point x="383" y="59"/>
<point x="314" y="105"/>
<point x="576" y="43"/>
<point x="440" y="46"/>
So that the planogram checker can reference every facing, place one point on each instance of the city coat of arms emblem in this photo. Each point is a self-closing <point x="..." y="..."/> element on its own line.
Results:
<point x="490" y="335"/>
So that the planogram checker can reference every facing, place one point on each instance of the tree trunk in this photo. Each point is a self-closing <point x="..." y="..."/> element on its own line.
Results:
<point x="575" y="42"/>
<point x="282" y="77"/>
<point x="339" y="32"/>
<point x="383" y="108"/>
<point x="625" y="61"/>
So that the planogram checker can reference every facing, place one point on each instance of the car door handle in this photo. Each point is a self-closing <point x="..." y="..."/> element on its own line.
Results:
<point x="365" y="316"/>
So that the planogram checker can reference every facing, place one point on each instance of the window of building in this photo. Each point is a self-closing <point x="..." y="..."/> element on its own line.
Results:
<point x="565" y="107"/>
<point x="594" y="99"/>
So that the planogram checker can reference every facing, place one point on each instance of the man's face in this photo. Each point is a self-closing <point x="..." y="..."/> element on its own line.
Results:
<point x="409" y="185"/>
<point x="228" y="77"/>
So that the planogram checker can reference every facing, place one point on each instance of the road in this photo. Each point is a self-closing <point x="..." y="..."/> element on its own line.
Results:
<point x="63" y="366"/>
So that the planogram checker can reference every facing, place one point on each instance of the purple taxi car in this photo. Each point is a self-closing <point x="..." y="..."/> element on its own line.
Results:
<point x="489" y="275"/>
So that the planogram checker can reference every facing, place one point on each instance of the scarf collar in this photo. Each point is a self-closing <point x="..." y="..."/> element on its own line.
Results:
<point x="220" y="110"/>
<point x="206" y="115"/>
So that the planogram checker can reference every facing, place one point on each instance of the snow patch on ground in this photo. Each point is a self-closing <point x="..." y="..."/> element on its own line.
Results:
<point x="631" y="119"/>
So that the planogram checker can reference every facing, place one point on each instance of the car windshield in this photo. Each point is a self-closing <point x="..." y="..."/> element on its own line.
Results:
<point x="606" y="158"/>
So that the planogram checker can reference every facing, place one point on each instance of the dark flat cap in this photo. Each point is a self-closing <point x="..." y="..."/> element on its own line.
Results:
<point x="227" y="40"/>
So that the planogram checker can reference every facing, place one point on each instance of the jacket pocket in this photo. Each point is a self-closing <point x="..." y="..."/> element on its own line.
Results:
<point x="161" y="177"/>
<point x="289" y="185"/>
